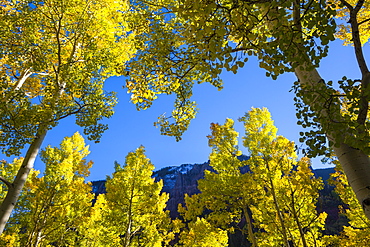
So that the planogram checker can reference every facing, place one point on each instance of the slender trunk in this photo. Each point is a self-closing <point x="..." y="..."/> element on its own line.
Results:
<point x="15" y="188"/>
<point x="129" y="233"/>
<point x="251" y="235"/>
<point x="296" y="218"/>
<point x="40" y="218"/>
<point x="355" y="163"/>
<point x="280" y="216"/>
<point x="38" y="238"/>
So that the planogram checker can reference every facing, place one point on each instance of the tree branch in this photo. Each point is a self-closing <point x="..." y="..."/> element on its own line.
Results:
<point x="362" y="22"/>
<point x="359" y="5"/>
<point x="345" y="3"/>
<point x="8" y="184"/>
<point x="364" y="99"/>
<point x="22" y="79"/>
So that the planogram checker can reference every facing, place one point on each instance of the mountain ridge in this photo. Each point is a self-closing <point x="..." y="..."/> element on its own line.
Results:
<point x="183" y="179"/>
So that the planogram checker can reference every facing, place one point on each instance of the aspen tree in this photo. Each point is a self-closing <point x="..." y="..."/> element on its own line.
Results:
<point x="135" y="205"/>
<point x="55" y="58"/>
<point x="53" y="206"/>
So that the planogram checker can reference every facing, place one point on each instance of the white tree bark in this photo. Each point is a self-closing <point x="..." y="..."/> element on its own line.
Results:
<point x="356" y="166"/>
<point x="15" y="188"/>
<point x="355" y="163"/>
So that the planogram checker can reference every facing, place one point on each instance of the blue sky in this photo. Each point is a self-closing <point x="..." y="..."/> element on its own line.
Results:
<point x="129" y="128"/>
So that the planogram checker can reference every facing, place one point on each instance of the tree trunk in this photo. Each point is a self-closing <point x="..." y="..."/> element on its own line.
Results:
<point x="296" y="219"/>
<point x="15" y="188"/>
<point x="355" y="163"/>
<point x="356" y="166"/>
<point x="251" y="235"/>
<point x="280" y="216"/>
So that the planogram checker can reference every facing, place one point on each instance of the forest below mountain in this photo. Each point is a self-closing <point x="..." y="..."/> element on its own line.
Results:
<point x="183" y="179"/>
<point x="270" y="197"/>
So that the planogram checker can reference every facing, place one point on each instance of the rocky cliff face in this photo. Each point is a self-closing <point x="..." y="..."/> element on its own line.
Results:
<point x="180" y="180"/>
